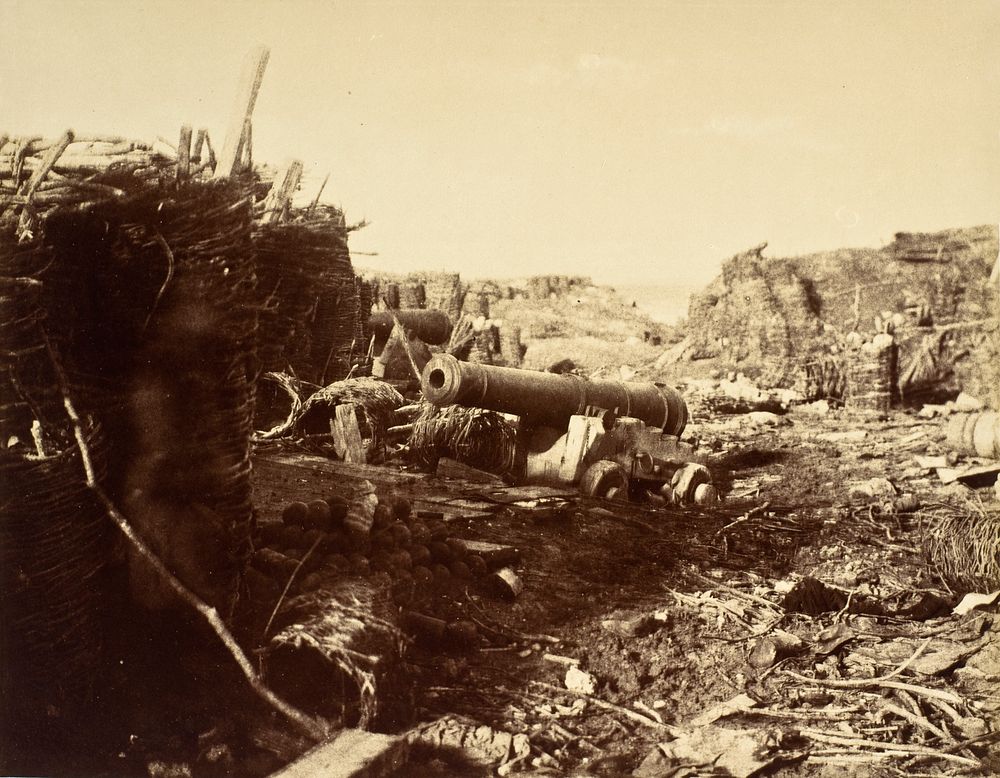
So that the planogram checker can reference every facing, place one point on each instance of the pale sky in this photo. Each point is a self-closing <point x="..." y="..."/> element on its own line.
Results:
<point x="633" y="142"/>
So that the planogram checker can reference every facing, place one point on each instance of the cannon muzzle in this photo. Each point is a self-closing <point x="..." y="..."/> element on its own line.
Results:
<point x="546" y="399"/>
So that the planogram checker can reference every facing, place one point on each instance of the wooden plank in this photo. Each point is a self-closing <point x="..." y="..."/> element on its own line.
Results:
<point x="353" y="753"/>
<point x="514" y="494"/>
<point x="305" y="466"/>
<point x="494" y="554"/>
<point x="582" y="433"/>
<point x="184" y="153"/>
<point x="242" y="110"/>
<point x="279" y="198"/>
<point x="347" y="435"/>
<point x="246" y="153"/>
<point x="450" y="468"/>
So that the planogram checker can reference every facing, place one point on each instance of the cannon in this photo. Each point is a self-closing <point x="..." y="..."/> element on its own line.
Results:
<point x="612" y="438"/>
<point x="430" y="325"/>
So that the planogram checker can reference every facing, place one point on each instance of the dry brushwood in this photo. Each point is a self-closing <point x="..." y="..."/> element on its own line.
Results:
<point x="962" y="544"/>
<point x="473" y="436"/>
<point x="340" y="623"/>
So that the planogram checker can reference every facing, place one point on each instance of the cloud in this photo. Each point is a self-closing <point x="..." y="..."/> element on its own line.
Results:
<point x="749" y="127"/>
<point x="588" y="71"/>
<point x="745" y="126"/>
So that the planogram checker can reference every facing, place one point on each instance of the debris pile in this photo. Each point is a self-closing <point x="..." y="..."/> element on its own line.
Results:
<point x="778" y="318"/>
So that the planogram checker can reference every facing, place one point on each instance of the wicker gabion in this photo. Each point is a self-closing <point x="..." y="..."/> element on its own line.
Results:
<point x="54" y="545"/>
<point x="152" y="300"/>
<point x="54" y="540"/>
<point x="310" y="298"/>
<point x="335" y="649"/>
<point x="871" y="374"/>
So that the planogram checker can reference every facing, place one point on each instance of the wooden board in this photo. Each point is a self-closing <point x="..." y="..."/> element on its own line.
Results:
<point x="353" y="753"/>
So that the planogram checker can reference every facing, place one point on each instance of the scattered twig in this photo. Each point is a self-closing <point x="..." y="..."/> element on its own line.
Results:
<point x="837" y="714"/>
<point x="745" y="517"/>
<point x="638" y="717"/>
<point x="919" y="721"/>
<point x="288" y="585"/>
<point x="860" y="683"/>
<point x="752" y="597"/>
<point x="882" y="748"/>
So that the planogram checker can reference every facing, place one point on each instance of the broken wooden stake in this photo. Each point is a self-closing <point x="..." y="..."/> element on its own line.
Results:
<point x="346" y="434"/>
<point x="279" y="198"/>
<point x="242" y="111"/>
<point x="506" y="583"/>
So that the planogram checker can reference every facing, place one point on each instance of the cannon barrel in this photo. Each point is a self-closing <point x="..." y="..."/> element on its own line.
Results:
<point x="546" y="399"/>
<point x="430" y="325"/>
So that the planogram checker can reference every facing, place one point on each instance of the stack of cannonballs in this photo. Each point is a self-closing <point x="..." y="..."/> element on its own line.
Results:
<point x="334" y="539"/>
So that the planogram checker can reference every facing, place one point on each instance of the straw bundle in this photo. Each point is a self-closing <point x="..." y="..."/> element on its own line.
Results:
<point x="474" y="436"/>
<point x="338" y="646"/>
<point x="962" y="543"/>
<point x="377" y="401"/>
<point x="461" y="340"/>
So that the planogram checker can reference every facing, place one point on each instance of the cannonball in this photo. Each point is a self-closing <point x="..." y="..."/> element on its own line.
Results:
<point x="358" y="541"/>
<point x="419" y="532"/>
<point x="440" y="572"/>
<point x="293" y="536"/>
<point x="419" y="553"/>
<point x="383" y="541"/>
<point x="438" y="529"/>
<point x="311" y="582"/>
<point x="423" y="576"/>
<point x="338" y="507"/>
<point x="382" y="517"/>
<point x="360" y="565"/>
<point x="271" y="532"/>
<point x="381" y="579"/>
<point x="334" y="542"/>
<point x="400" y="532"/>
<point x="460" y="570"/>
<point x="440" y="551"/>
<point x="319" y="516"/>
<point x="457" y="546"/>
<point x="381" y="561"/>
<point x="477" y="565"/>
<point x="401" y="508"/>
<point x="295" y="513"/>
<point x="402" y="560"/>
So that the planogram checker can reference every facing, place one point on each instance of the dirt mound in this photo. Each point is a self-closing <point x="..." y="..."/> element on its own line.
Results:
<point x="768" y="317"/>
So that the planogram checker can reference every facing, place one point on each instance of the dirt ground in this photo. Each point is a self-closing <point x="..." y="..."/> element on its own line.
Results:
<point x="634" y="624"/>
